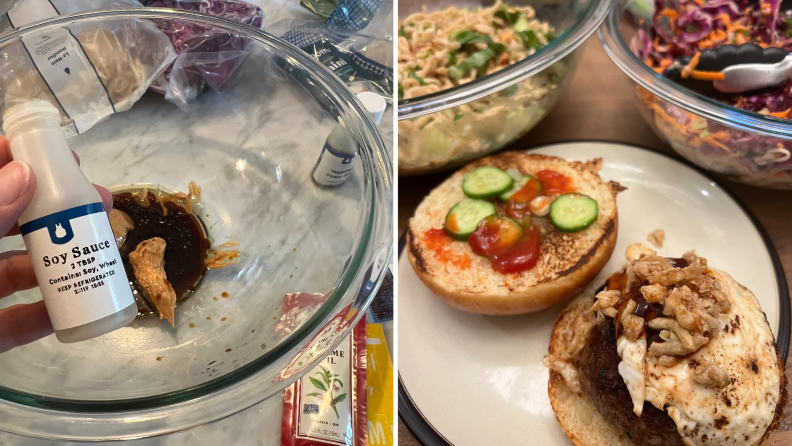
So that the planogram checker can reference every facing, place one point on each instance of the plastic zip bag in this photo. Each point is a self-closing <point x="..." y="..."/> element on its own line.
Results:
<point x="355" y="41"/>
<point x="87" y="71"/>
<point x="207" y="57"/>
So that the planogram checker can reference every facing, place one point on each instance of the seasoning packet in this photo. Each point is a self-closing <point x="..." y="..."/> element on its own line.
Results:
<point x="379" y="387"/>
<point x="87" y="71"/>
<point x="327" y="406"/>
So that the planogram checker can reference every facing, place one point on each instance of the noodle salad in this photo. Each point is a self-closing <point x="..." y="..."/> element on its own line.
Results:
<point x="452" y="47"/>
<point x="678" y="33"/>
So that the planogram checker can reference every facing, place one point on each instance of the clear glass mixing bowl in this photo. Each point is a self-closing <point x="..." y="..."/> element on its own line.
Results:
<point x="252" y="149"/>
<point x="461" y="136"/>
<point x="745" y="146"/>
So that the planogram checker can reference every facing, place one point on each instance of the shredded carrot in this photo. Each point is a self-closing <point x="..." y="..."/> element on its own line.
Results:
<point x="722" y="135"/>
<point x="665" y="63"/>
<point x="659" y="70"/>
<point x="672" y="16"/>
<point x="766" y="9"/>
<point x="707" y="75"/>
<point x="699" y="2"/>
<point x="739" y="39"/>
<point x="691" y="66"/>
<point x="713" y="142"/>
<point x="781" y="114"/>
<point x="725" y="19"/>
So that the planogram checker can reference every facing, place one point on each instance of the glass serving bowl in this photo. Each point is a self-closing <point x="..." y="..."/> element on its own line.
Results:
<point x="251" y="149"/>
<point x="457" y="136"/>
<point x="745" y="146"/>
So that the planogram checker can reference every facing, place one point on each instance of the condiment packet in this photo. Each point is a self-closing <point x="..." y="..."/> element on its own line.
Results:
<point x="327" y="406"/>
<point x="379" y="387"/>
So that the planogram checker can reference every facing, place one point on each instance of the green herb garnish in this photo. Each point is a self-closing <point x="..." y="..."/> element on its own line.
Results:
<point x="458" y="116"/>
<point x="478" y="59"/>
<point x="507" y="14"/>
<point x="466" y="38"/>
<point x="509" y="91"/>
<point x="428" y="53"/>
<point x="420" y="80"/>
<point x="401" y="32"/>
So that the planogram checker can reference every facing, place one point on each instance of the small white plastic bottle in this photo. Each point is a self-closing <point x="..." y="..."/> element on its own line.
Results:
<point x="337" y="159"/>
<point x="67" y="232"/>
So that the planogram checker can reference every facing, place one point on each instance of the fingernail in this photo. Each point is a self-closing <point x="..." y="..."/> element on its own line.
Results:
<point x="14" y="182"/>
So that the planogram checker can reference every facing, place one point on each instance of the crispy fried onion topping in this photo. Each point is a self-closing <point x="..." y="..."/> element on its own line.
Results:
<point x="692" y="304"/>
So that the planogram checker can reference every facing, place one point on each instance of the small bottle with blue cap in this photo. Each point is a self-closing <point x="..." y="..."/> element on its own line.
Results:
<point x="67" y="232"/>
<point x="336" y="161"/>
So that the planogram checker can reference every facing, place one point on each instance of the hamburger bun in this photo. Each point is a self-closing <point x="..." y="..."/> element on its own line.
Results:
<point x="567" y="262"/>
<point x="577" y="413"/>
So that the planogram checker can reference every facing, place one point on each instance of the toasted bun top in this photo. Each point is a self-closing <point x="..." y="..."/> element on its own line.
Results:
<point x="457" y="269"/>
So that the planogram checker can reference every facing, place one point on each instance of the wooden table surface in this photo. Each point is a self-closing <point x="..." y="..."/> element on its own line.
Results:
<point x="599" y="106"/>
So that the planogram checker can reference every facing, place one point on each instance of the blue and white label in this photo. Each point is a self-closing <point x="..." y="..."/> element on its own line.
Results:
<point x="78" y="266"/>
<point x="333" y="167"/>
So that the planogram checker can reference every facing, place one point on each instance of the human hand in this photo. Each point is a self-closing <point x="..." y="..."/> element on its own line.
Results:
<point x="23" y="323"/>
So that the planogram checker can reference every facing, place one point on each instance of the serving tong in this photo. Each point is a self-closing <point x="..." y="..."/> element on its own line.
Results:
<point x="731" y="69"/>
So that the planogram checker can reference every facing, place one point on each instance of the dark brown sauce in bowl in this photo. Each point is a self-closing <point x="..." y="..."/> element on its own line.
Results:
<point x="184" y="234"/>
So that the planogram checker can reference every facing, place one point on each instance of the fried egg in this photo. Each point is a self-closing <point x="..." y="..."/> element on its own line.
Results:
<point x="738" y="414"/>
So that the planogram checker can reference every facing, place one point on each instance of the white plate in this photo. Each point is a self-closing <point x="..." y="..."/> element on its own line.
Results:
<point x="472" y="380"/>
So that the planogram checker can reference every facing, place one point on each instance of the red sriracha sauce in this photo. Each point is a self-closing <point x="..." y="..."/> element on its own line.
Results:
<point x="520" y="257"/>
<point x="555" y="183"/>
<point x="509" y="247"/>
<point x="517" y="206"/>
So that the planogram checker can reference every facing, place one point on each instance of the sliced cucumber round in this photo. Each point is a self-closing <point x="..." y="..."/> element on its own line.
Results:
<point x="517" y="186"/>
<point x="486" y="182"/>
<point x="464" y="217"/>
<point x="573" y="212"/>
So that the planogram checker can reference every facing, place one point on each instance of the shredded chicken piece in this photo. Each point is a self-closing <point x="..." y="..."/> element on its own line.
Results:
<point x="568" y="371"/>
<point x="121" y="224"/>
<point x="221" y="259"/>
<point x="708" y="373"/>
<point x="149" y="266"/>
<point x="142" y="198"/>
<point x="656" y="237"/>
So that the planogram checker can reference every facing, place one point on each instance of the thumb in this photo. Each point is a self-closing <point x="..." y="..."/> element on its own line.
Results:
<point x="17" y="186"/>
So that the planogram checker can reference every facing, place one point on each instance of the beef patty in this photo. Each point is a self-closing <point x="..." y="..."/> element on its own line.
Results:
<point x="600" y="379"/>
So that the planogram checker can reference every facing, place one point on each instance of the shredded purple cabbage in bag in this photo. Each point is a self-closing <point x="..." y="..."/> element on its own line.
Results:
<point x="207" y="56"/>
